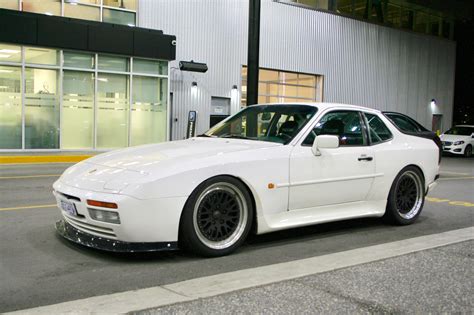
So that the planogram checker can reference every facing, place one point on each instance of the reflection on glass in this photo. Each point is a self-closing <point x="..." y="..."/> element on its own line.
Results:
<point x="112" y="114"/>
<point x="42" y="56"/>
<point x="78" y="110"/>
<point x="112" y="63"/>
<point x="82" y="12"/>
<point x="41" y="109"/>
<point x="78" y="60"/>
<point x="9" y="4"/>
<point x="118" y="17"/>
<point x="10" y="53"/>
<point x="10" y="107"/>
<point x="48" y="7"/>
<point x="123" y="4"/>
<point x="148" y="123"/>
<point x="150" y="66"/>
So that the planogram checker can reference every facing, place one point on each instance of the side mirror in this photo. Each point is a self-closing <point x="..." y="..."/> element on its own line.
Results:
<point x="472" y="136"/>
<point x="324" y="142"/>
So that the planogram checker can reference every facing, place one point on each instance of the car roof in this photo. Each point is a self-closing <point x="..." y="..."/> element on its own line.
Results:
<point x="324" y="105"/>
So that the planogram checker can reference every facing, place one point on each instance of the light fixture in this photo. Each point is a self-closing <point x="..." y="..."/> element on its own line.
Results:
<point x="194" y="84"/>
<point x="433" y="104"/>
<point x="234" y="87"/>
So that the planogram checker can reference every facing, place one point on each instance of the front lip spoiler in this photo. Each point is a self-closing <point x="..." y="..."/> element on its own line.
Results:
<point x="76" y="236"/>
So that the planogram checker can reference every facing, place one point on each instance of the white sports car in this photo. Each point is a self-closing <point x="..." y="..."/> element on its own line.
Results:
<point x="267" y="168"/>
<point x="459" y="140"/>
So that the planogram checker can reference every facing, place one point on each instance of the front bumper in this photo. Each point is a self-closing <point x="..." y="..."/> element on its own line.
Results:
<point x="454" y="149"/>
<point x="72" y="234"/>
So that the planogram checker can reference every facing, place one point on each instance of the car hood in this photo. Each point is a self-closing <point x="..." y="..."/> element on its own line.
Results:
<point x="144" y="158"/>
<point x="445" y="137"/>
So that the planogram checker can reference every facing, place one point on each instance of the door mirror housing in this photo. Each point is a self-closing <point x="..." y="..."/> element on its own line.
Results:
<point x="324" y="142"/>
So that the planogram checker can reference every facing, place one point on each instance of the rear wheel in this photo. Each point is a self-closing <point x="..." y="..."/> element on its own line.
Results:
<point x="217" y="217"/>
<point x="406" y="197"/>
<point x="468" y="151"/>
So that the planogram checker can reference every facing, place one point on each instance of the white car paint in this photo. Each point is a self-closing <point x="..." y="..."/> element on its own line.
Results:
<point x="456" y="144"/>
<point x="151" y="183"/>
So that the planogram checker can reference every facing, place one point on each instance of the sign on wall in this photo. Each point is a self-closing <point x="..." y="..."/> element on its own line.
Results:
<point x="191" y="131"/>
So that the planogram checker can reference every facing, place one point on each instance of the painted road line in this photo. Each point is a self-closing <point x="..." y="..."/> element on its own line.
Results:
<point x="455" y="173"/>
<point x="451" y="202"/>
<point x="20" y="159"/>
<point x="29" y="176"/>
<point x="194" y="289"/>
<point x="28" y="207"/>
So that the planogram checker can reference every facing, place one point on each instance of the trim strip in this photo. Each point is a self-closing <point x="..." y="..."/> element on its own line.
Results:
<point x="330" y="180"/>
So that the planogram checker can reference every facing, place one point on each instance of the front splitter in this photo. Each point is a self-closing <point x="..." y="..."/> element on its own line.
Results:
<point x="72" y="234"/>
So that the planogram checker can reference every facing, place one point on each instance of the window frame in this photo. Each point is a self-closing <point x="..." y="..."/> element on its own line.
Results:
<point x="367" y="127"/>
<point x="364" y="129"/>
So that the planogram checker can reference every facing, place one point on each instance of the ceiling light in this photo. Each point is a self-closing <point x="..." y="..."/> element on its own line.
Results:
<point x="6" y="71"/>
<point x="9" y="51"/>
<point x="5" y="56"/>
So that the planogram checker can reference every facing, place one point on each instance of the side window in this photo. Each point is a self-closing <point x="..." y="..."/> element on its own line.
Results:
<point x="403" y="123"/>
<point x="378" y="132"/>
<point x="344" y="124"/>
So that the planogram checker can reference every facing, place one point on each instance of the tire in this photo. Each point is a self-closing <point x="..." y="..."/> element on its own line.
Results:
<point x="217" y="217"/>
<point x="468" y="151"/>
<point x="406" y="197"/>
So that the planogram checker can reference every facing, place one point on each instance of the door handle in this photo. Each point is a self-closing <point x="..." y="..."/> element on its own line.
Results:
<point x="365" y="158"/>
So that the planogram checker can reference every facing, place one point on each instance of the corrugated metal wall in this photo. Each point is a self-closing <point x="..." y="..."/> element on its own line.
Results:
<point x="362" y="63"/>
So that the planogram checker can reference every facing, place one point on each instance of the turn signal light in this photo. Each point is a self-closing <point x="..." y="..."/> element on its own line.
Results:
<point x="102" y="204"/>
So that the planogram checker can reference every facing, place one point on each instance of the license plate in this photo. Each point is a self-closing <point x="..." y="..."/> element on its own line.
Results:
<point x="69" y="207"/>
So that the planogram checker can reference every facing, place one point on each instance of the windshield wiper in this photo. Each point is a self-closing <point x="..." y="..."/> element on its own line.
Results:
<point x="235" y="137"/>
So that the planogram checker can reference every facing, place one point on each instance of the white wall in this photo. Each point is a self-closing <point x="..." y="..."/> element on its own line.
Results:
<point x="362" y="63"/>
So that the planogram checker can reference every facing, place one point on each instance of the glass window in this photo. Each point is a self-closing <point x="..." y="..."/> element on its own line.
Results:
<point x="48" y="7"/>
<point x="9" y="4"/>
<point x="404" y="123"/>
<point x="41" y="109"/>
<point x="42" y="56"/>
<point x="377" y="130"/>
<point x="150" y="66"/>
<point x="78" y="60"/>
<point x="112" y="113"/>
<point x="407" y="18"/>
<point x="421" y="22"/>
<point x="344" y="124"/>
<point x="118" y="17"/>
<point x="123" y="4"/>
<point x="112" y="63"/>
<point x="10" y="107"/>
<point x="84" y="12"/>
<point x="393" y="15"/>
<point x="344" y="6"/>
<point x="10" y="53"/>
<point x="96" y="2"/>
<point x="274" y="123"/>
<point x="78" y="110"/>
<point x="148" y="121"/>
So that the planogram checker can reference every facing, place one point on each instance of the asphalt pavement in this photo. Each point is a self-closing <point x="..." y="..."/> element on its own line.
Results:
<point x="38" y="268"/>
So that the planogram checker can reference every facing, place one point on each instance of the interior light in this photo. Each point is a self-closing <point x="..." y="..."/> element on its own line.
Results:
<point x="9" y="51"/>
<point x="6" y="71"/>
<point x="433" y="104"/>
<point x="48" y="13"/>
<point x="5" y="56"/>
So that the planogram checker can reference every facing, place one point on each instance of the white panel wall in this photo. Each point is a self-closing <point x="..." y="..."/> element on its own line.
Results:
<point x="362" y="63"/>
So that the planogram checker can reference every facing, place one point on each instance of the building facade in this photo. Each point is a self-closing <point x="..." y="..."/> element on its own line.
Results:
<point x="114" y="91"/>
<point x="305" y="55"/>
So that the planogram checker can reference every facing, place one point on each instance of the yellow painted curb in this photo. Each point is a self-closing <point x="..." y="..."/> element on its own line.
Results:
<point x="20" y="159"/>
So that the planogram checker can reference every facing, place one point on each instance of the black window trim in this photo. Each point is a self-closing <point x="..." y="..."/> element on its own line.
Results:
<point x="361" y="120"/>
<point x="366" y="122"/>
<point x="417" y="124"/>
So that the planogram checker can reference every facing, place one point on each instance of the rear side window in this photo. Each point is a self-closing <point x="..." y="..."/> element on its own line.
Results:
<point x="378" y="131"/>
<point x="404" y="123"/>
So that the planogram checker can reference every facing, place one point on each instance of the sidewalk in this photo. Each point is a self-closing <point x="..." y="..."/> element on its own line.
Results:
<point x="437" y="280"/>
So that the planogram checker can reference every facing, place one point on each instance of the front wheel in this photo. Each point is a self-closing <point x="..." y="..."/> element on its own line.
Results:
<point x="217" y="217"/>
<point x="406" y="197"/>
<point x="468" y="151"/>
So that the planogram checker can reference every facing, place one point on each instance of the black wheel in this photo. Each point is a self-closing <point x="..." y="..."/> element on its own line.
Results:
<point x="217" y="217"/>
<point x="468" y="151"/>
<point x="406" y="197"/>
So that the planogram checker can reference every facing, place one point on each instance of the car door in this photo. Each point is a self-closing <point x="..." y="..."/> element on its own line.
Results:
<point x="337" y="176"/>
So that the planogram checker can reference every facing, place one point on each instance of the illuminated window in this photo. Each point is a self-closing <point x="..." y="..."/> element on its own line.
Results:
<point x="10" y="53"/>
<point x="118" y="17"/>
<point x="10" y="107"/>
<point x="84" y="12"/>
<point x="276" y="86"/>
<point x="9" y="4"/>
<point x="48" y="7"/>
<point x="123" y="4"/>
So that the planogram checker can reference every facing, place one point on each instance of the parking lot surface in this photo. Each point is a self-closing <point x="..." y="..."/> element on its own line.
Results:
<point x="39" y="268"/>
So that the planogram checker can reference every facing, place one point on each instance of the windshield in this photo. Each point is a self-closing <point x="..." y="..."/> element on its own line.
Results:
<point x="460" y="131"/>
<point x="274" y="123"/>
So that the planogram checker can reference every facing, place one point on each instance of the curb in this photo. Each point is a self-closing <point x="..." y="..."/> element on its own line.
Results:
<point x="25" y="159"/>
